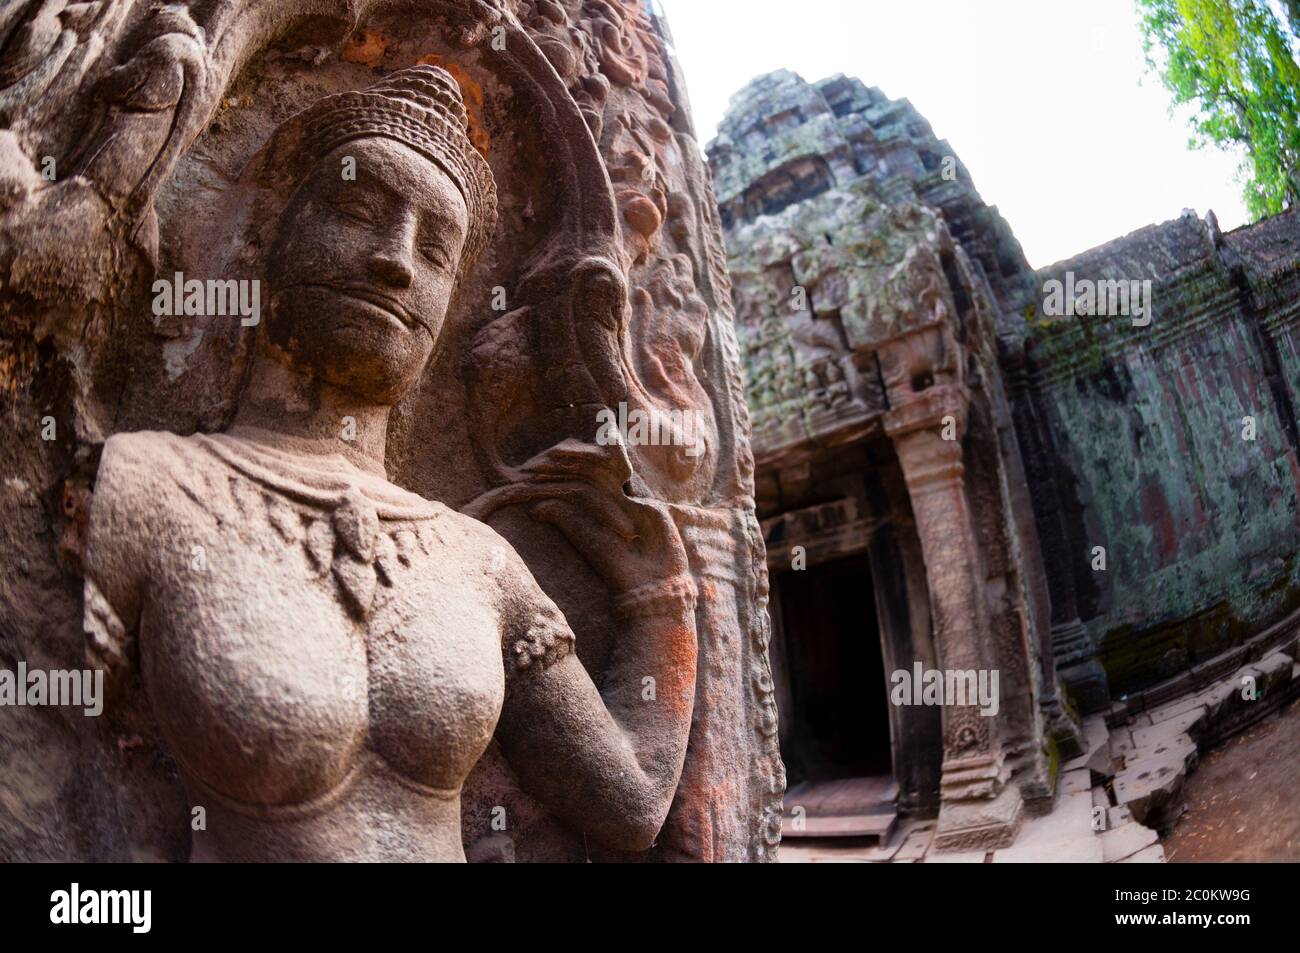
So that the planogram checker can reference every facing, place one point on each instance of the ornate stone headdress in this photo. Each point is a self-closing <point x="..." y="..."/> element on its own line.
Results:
<point x="420" y="107"/>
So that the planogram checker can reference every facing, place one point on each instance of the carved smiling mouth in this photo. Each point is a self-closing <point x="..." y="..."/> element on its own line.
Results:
<point x="382" y="302"/>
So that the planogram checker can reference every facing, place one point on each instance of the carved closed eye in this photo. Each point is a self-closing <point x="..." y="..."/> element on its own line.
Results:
<point x="436" y="254"/>
<point x="354" y="208"/>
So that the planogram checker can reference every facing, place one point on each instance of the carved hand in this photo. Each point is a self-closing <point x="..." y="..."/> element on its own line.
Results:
<point x="629" y="542"/>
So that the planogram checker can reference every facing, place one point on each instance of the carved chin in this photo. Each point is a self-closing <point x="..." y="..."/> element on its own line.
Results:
<point x="351" y="344"/>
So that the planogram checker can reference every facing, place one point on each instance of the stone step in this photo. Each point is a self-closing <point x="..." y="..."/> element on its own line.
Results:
<point x="878" y="827"/>
<point x="1063" y="836"/>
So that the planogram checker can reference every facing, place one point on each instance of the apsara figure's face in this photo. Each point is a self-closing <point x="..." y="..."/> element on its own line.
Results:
<point x="363" y="268"/>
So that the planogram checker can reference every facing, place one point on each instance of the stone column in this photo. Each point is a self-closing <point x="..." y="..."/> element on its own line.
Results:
<point x="978" y="808"/>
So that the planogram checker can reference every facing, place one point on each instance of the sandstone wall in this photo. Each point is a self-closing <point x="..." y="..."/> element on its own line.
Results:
<point x="1149" y="460"/>
<point x="609" y="252"/>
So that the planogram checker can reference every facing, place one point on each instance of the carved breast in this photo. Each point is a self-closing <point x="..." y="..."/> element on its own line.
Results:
<point x="286" y="646"/>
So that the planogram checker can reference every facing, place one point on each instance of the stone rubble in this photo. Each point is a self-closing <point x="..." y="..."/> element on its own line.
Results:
<point x="1144" y="760"/>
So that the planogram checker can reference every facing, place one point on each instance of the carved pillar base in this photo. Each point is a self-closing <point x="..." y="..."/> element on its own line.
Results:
<point x="1063" y="728"/>
<point x="983" y="824"/>
<point x="1078" y="667"/>
<point x="1070" y="642"/>
<point x="1067" y="734"/>
<point x="1032" y="772"/>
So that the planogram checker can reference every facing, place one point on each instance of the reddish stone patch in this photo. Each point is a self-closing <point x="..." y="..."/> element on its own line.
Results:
<point x="472" y="93"/>
<point x="1156" y="514"/>
<point x="1180" y="403"/>
<point x="366" y="48"/>
<point x="640" y="213"/>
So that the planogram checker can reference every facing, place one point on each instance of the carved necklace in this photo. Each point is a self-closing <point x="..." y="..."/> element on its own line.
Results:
<point x="344" y="529"/>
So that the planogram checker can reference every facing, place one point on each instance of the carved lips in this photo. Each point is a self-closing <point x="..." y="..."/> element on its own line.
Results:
<point x="393" y="309"/>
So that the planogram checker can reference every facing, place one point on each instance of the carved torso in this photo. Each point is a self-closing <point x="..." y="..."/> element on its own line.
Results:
<point x="315" y="642"/>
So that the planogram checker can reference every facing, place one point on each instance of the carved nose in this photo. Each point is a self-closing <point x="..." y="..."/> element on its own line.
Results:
<point x="391" y="269"/>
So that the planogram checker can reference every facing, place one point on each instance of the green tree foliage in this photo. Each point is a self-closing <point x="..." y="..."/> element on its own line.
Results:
<point x="1235" y="61"/>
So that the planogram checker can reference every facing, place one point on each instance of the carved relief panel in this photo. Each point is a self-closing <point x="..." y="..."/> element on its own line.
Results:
<point x="596" y="292"/>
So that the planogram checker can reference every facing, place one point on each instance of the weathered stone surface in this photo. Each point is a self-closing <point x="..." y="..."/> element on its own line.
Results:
<point x="1151" y="788"/>
<point x="1065" y="835"/>
<point x="602" y="286"/>
<point x="1121" y="843"/>
<point x="1147" y="425"/>
<point x="863" y="279"/>
<point x="1072" y="782"/>
<point x="1117" y="816"/>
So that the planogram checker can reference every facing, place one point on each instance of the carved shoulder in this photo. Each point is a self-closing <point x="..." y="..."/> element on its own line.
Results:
<point x="534" y="632"/>
<point x="123" y="512"/>
<point x="142" y="481"/>
<point x="139" y="478"/>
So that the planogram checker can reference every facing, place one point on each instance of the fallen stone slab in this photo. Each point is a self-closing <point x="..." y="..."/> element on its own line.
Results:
<point x="1072" y="782"/>
<point x="1121" y="742"/>
<point x="1175" y="708"/>
<point x="1096" y="756"/>
<point x="1275" y="669"/>
<point x="1125" y="841"/>
<point x="1117" y="816"/>
<point x="1101" y="765"/>
<point x="1189" y="724"/>
<point x="1219" y="698"/>
<point x="1172" y="745"/>
<point x="1151" y="788"/>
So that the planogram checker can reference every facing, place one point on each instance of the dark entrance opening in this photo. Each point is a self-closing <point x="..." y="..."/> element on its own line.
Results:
<point x="837" y="743"/>
<point x="839" y="718"/>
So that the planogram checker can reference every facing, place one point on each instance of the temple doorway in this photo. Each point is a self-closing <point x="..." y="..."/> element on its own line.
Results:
<point x="837" y="746"/>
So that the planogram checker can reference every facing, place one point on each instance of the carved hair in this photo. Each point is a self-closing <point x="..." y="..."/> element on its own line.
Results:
<point x="422" y="108"/>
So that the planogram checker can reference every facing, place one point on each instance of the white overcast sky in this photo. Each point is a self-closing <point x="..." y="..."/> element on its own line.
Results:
<point x="1047" y="102"/>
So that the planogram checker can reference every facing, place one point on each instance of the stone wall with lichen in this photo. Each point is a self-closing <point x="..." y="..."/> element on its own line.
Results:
<point x="1131" y="436"/>
<point x="1152" y="427"/>
<point x="819" y="186"/>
